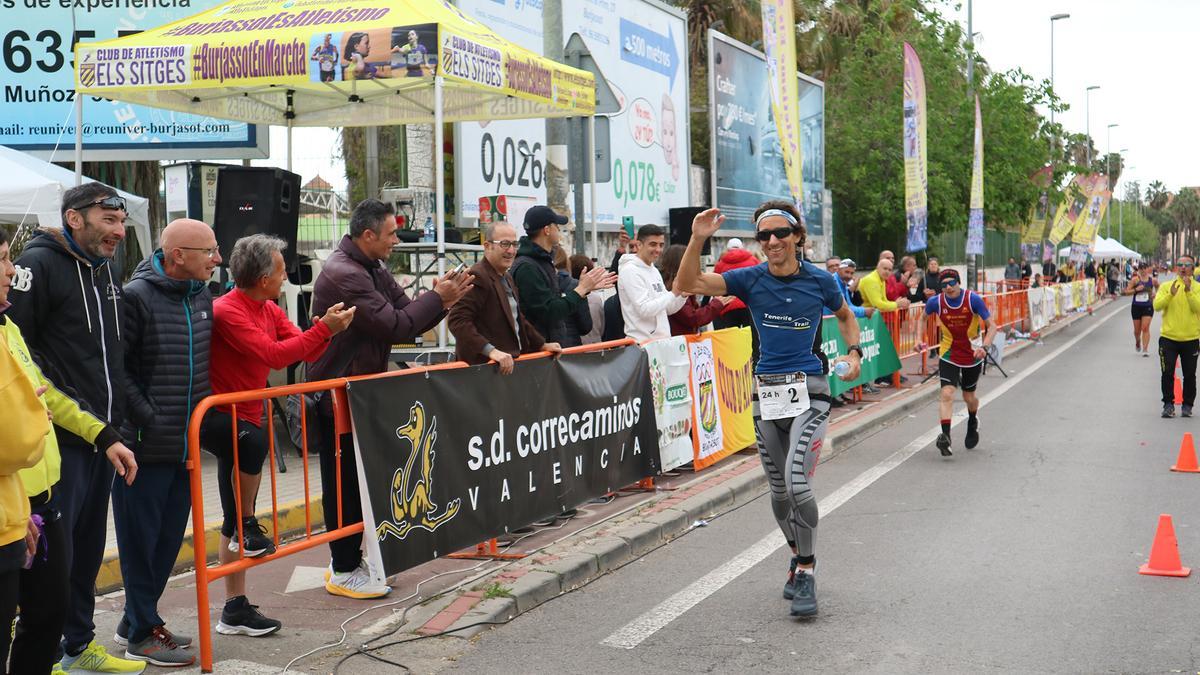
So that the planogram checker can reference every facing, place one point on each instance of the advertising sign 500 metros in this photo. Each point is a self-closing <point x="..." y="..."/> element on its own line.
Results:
<point x="36" y="62"/>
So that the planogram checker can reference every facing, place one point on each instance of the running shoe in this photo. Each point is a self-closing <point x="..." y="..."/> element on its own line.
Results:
<point x="943" y="444"/>
<point x="789" y="586"/>
<point x="356" y="584"/>
<point x="239" y="617"/>
<point x="121" y="637"/>
<point x="160" y="650"/>
<point x="804" y="602"/>
<point x="972" y="438"/>
<point x="257" y="544"/>
<point x="1185" y="411"/>
<point x="1146" y="354"/>
<point x="96" y="659"/>
<point x="1168" y="411"/>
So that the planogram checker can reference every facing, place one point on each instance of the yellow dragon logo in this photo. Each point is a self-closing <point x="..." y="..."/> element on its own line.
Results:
<point x="412" y="509"/>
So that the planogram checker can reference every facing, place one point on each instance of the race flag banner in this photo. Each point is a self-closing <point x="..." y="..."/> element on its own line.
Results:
<point x="1069" y="210"/>
<point x="879" y="354"/>
<point x="669" y="370"/>
<point x="734" y="353"/>
<point x="975" y="220"/>
<point x="779" y="45"/>
<point x="347" y="63"/>
<point x="1034" y="230"/>
<point x="1083" y="237"/>
<point x="452" y="458"/>
<point x="916" y="177"/>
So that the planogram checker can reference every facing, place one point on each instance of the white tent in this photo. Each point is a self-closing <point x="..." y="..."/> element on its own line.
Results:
<point x="1104" y="248"/>
<point x="31" y="195"/>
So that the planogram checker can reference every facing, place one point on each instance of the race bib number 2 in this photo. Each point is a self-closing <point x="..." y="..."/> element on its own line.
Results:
<point x="782" y="396"/>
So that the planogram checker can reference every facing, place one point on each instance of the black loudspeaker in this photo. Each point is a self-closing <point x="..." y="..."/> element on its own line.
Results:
<point x="257" y="200"/>
<point x="681" y="227"/>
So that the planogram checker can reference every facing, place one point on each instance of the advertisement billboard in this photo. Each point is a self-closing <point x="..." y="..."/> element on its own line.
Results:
<point x="641" y="48"/>
<point x="747" y="162"/>
<point x="36" y="64"/>
<point x="501" y="157"/>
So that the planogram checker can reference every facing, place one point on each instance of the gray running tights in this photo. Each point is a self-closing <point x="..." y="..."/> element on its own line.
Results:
<point x="789" y="449"/>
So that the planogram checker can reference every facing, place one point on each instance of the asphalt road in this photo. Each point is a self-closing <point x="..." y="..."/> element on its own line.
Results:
<point x="1019" y="556"/>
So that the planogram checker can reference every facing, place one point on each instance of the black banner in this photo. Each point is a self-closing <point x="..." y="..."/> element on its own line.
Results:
<point x="453" y="458"/>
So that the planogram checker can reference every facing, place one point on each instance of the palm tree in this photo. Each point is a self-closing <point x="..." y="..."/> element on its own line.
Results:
<point x="1185" y="210"/>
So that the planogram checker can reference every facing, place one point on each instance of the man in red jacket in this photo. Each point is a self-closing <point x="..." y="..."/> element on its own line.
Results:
<point x="251" y="337"/>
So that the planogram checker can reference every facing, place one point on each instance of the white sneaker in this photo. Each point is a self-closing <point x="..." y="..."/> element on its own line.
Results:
<point x="355" y="584"/>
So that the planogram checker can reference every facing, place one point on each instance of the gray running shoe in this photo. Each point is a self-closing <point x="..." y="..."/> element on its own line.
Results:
<point x="121" y="637"/>
<point x="789" y="586"/>
<point x="943" y="444"/>
<point x="1185" y="411"/>
<point x="804" y="602"/>
<point x="160" y="650"/>
<point x="1168" y="411"/>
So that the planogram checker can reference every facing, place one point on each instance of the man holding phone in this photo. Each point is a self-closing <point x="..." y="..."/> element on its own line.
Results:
<point x="1179" y="302"/>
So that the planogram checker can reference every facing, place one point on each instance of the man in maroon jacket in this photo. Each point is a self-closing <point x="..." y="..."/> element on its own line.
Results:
<point x="355" y="274"/>
<point x="488" y="323"/>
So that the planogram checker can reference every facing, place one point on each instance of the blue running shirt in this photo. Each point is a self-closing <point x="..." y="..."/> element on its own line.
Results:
<point x="787" y="314"/>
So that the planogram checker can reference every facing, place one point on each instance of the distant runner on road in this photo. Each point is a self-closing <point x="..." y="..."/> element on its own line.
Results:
<point x="961" y="315"/>
<point x="785" y="297"/>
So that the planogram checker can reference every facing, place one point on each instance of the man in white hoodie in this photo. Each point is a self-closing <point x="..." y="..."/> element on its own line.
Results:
<point x="645" y="301"/>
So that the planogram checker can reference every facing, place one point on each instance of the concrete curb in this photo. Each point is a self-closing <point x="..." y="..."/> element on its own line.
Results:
<point x="291" y="523"/>
<point x="531" y="582"/>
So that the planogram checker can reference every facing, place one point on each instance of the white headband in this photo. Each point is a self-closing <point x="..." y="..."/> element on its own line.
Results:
<point x="776" y="212"/>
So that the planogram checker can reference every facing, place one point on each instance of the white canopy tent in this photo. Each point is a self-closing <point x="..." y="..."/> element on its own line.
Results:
<point x="1105" y="248"/>
<point x="32" y="191"/>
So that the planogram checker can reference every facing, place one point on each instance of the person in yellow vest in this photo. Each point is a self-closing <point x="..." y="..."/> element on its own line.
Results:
<point x="34" y="565"/>
<point x="1179" y="338"/>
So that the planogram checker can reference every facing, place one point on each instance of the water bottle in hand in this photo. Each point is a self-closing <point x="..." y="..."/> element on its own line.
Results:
<point x="841" y="368"/>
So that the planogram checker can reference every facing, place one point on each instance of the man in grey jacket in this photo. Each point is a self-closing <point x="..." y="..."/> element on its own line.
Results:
<point x="168" y="325"/>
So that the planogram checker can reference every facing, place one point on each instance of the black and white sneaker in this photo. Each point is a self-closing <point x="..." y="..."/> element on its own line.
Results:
<point x="242" y="618"/>
<point x="804" y="602"/>
<point x="1168" y="411"/>
<point x="257" y="544"/>
<point x="943" y="444"/>
<point x="1185" y="411"/>
<point x="121" y="636"/>
<point x="972" y="438"/>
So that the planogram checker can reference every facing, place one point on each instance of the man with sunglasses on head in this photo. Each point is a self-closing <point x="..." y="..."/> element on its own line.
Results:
<point x="785" y="296"/>
<point x="488" y="324"/>
<point x="961" y="316"/>
<point x="66" y="298"/>
<point x="1179" y="303"/>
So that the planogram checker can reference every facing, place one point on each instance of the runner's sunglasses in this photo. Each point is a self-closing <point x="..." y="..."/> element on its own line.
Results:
<point x="778" y="232"/>
<point x="107" y="202"/>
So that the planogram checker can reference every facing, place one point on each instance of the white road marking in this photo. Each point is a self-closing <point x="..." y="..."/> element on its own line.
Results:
<point x="635" y="632"/>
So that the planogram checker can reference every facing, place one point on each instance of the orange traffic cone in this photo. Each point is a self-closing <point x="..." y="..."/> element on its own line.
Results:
<point x="1186" y="463"/>
<point x="1164" y="554"/>
<point x="1178" y="390"/>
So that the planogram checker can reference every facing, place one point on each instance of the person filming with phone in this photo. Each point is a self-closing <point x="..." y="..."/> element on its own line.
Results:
<point x="488" y="323"/>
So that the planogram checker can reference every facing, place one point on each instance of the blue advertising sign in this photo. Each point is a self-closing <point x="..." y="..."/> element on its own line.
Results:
<point x="36" y="62"/>
<point x="747" y="162"/>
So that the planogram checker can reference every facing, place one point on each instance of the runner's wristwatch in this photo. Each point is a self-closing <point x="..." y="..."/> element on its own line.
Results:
<point x="855" y="348"/>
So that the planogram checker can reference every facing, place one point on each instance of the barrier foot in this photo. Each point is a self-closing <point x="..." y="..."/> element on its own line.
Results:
<point x="487" y="550"/>
<point x="646" y="485"/>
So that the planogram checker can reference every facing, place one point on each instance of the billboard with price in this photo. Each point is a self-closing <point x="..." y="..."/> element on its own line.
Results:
<point x="36" y="62"/>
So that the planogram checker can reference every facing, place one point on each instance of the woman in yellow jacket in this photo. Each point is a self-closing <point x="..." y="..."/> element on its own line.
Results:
<point x="33" y="555"/>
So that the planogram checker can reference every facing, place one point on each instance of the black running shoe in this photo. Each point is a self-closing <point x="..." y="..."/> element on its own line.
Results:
<point x="972" y="438"/>
<point x="1185" y="411"/>
<point x="789" y="586"/>
<point x="242" y="618"/>
<point x="943" y="444"/>
<point x="1168" y="411"/>
<point x="257" y="544"/>
<point x="804" y="602"/>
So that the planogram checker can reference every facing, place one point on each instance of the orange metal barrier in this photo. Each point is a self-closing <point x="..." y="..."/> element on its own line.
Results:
<point x="341" y="412"/>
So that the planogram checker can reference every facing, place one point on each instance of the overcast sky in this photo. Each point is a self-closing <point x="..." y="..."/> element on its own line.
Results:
<point x="1141" y="54"/>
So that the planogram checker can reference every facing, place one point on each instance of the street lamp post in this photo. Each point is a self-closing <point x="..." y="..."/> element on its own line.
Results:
<point x="1108" y="174"/>
<point x="1087" y="117"/>
<point x="1053" y="139"/>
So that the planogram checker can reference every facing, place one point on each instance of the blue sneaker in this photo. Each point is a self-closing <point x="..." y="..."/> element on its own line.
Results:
<point x="804" y="601"/>
<point x="789" y="586"/>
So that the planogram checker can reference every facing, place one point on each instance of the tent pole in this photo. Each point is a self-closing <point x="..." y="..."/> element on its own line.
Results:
<point x="590" y="158"/>
<point x="78" y="140"/>
<point x="289" y="144"/>
<point x="439" y="180"/>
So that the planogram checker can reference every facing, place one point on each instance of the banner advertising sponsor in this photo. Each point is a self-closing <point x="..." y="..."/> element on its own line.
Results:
<point x="707" y="436"/>
<point x="975" y="221"/>
<point x="1083" y="237"/>
<point x="459" y="456"/>
<point x="746" y="158"/>
<point x="1034" y="230"/>
<point x="497" y="156"/>
<point x="734" y="353"/>
<point x="1068" y="212"/>
<point x="36" y="70"/>
<point x="779" y="47"/>
<point x="879" y="354"/>
<point x="916" y="177"/>
<point x="1039" y="307"/>
<point x="669" y="370"/>
<point x="641" y="48"/>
